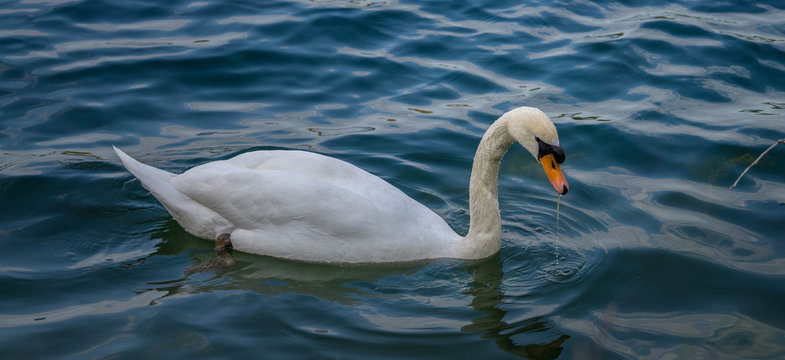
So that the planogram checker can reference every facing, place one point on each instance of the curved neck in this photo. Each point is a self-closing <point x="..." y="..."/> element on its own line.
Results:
<point x="484" y="237"/>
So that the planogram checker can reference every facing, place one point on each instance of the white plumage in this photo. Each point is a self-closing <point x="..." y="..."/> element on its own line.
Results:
<point x="305" y="206"/>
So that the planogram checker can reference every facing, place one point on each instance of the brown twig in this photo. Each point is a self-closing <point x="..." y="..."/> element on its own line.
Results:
<point x="780" y="141"/>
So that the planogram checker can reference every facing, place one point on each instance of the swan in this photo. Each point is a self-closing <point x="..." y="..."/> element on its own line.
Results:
<point x="305" y="206"/>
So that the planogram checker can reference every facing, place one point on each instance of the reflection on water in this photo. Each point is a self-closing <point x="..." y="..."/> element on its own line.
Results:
<point x="703" y="336"/>
<point x="532" y="338"/>
<point x="659" y="107"/>
<point x="481" y="285"/>
<point x="76" y="311"/>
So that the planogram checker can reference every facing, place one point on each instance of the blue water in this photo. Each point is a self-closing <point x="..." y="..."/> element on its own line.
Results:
<point x="659" y="107"/>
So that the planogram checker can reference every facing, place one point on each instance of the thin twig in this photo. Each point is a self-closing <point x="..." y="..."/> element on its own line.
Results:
<point x="780" y="141"/>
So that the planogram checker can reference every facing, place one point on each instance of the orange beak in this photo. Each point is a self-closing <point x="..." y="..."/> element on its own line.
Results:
<point x="553" y="171"/>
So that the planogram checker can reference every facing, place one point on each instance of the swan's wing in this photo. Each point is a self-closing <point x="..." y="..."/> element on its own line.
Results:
<point x="323" y="168"/>
<point x="258" y="199"/>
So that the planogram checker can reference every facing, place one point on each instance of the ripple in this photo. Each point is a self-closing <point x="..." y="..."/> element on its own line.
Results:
<point x="259" y="19"/>
<point x="71" y="312"/>
<point x="708" y="334"/>
<point x="18" y="33"/>
<point x="659" y="107"/>
<point x="131" y="43"/>
<point x="162" y="25"/>
<point x="225" y="106"/>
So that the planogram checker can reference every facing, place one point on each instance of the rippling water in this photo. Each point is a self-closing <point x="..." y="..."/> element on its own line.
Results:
<point x="659" y="107"/>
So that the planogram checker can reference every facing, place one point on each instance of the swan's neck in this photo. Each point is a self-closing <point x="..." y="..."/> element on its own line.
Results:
<point x="484" y="237"/>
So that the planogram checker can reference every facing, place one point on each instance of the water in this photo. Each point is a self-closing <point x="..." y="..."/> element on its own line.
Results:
<point x="659" y="107"/>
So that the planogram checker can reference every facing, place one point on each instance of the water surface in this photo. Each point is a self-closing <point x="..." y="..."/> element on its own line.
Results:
<point x="659" y="107"/>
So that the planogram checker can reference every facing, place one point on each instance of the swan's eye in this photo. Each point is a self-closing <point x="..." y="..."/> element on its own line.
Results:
<point x="548" y="149"/>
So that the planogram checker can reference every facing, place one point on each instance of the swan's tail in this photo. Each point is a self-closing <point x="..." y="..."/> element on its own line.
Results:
<point x="154" y="179"/>
<point x="157" y="181"/>
<point x="194" y="217"/>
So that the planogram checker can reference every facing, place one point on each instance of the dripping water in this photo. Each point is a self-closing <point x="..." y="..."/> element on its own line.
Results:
<point x="556" y="231"/>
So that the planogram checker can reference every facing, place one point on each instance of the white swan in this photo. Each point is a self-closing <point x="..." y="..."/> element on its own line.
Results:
<point x="305" y="206"/>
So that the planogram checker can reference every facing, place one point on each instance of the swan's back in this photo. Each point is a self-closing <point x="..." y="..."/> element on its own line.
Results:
<point x="327" y="169"/>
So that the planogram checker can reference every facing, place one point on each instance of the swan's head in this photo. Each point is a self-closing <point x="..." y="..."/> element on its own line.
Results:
<point x="536" y="132"/>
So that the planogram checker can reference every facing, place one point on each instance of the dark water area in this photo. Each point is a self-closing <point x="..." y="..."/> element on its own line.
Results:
<point x="660" y="106"/>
